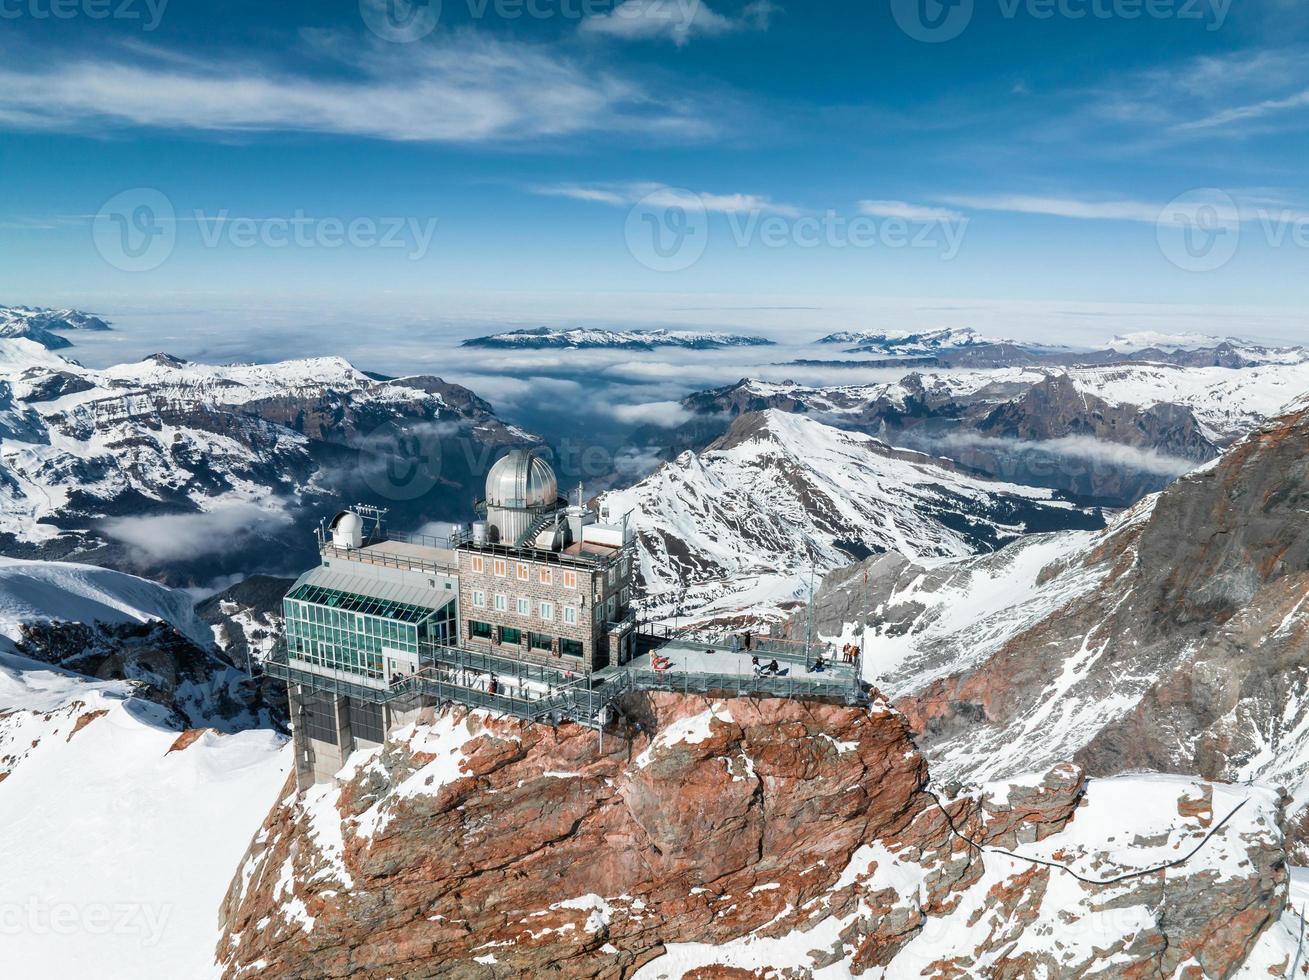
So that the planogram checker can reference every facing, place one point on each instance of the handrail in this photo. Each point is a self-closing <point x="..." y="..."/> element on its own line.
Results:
<point x="578" y="697"/>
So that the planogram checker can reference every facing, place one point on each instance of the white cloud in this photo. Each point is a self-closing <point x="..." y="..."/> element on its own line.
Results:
<point x="1061" y="207"/>
<point x="1091" y="451"/>
<point x="675" y="20"/>
<point x="662" y="195"/>
<point x="463" y="88"/>
<point x="907" y="211"/>
<point x="1247" y="113"/>
<point x="224" y="530"/>
<point x="665" y="414"/>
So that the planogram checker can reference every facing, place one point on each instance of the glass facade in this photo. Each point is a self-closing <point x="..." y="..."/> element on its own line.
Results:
<point x="347" y="632"/>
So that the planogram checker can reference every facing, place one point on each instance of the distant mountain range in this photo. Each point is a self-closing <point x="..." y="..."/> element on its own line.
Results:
<point x="44" y="326"/>
<point x="966" y="348"/>
<point x="188" y="472"/>
<point x="543" y="338"/>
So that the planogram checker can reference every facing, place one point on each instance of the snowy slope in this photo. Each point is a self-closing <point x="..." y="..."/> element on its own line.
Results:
<point x="117" y="850"/>
<point x="740" y="524"/>
<point x="46" y="590"/>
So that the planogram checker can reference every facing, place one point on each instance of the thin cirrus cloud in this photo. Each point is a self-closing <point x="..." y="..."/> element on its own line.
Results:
<point x="664" y="196"/>
<point x="908" y="211"/>
<point x="462" y="89"/>
<point x="674" y="20"/>
<point x="1247" y="113"/>
<point x="1228" y="208"/>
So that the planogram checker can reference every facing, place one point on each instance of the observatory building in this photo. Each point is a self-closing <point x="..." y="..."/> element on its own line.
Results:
<point x="516" y="612"/>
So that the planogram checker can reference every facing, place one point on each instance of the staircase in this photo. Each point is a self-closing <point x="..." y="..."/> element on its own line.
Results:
<point x="535" y="528"/>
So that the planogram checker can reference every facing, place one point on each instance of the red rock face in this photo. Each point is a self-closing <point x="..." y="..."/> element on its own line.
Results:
<point x="478" y="847"/>
<point x="704" y="840"/>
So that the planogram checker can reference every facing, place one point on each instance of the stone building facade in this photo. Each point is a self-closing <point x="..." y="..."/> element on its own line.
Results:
<point x="549" y="609"/>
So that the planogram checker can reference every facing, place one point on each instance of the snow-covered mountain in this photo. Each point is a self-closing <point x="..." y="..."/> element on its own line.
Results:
<point x="124" y="817"/>
<point x="582" y="338"/>
<point x="903" y="343"/>
<point x="195" y="471"/>
<point x="43" y="591"/>
<point x="44" y="326"/>
<point x="1173" y="641"/>
<point x="734" y="529"/>
<point x="1105" y="432"/>
<point x="1176" y="346"/>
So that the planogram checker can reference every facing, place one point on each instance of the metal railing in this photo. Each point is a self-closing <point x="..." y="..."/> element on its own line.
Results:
<point x="561" y="695"/>
<point x="746" y="685"/>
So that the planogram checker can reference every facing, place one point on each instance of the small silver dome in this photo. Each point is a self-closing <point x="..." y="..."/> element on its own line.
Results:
<point x="521" y="480"/>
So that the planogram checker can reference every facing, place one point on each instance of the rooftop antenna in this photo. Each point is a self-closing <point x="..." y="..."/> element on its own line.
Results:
<point x="579" y="494"/>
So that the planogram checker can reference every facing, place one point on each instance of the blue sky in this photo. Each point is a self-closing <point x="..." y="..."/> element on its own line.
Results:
<point x="503" y="151"/>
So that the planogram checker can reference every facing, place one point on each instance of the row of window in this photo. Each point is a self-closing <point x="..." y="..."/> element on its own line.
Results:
<point x="523" y="606"/>
<point x="510" y="636"/>
<point x="523" y="571"/>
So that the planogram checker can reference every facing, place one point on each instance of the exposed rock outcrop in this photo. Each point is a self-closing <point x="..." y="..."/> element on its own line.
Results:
<point x="1176" y="641"/>
<point x="737" y="838"/>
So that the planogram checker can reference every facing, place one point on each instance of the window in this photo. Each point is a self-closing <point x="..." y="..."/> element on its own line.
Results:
<point x="479" y="563"/>
<point x="479" y="598"/>
<point x="611" y="607"/>
<point x="599" y="613"/>
<point x="524" y="607"/>
<point x="547" y="610"/>
<point x="544" y="575"/>
<point x="501" y="603"/>
<point x="510" y="635"/>
<point x="570" y="615"/>
<point x="625" y="567"/>
<point x="479" y="631"/>
<point x="501" y="568"/>
<point x="522" y="572"/>
<point x="570" y="580"/>
<point x="540" y="641"/>
<point x="570" y="648"/>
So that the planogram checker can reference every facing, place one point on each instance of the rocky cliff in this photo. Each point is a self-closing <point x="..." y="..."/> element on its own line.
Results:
<point x="745" y="838"/>
<point x="1178" y="640"/>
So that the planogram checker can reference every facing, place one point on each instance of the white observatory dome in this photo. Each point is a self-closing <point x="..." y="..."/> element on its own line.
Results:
<point x="521" y="480"/>
<point x="347" y="530"/>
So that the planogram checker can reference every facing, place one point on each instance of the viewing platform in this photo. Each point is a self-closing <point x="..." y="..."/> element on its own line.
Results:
<point x="533" y="692"/>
